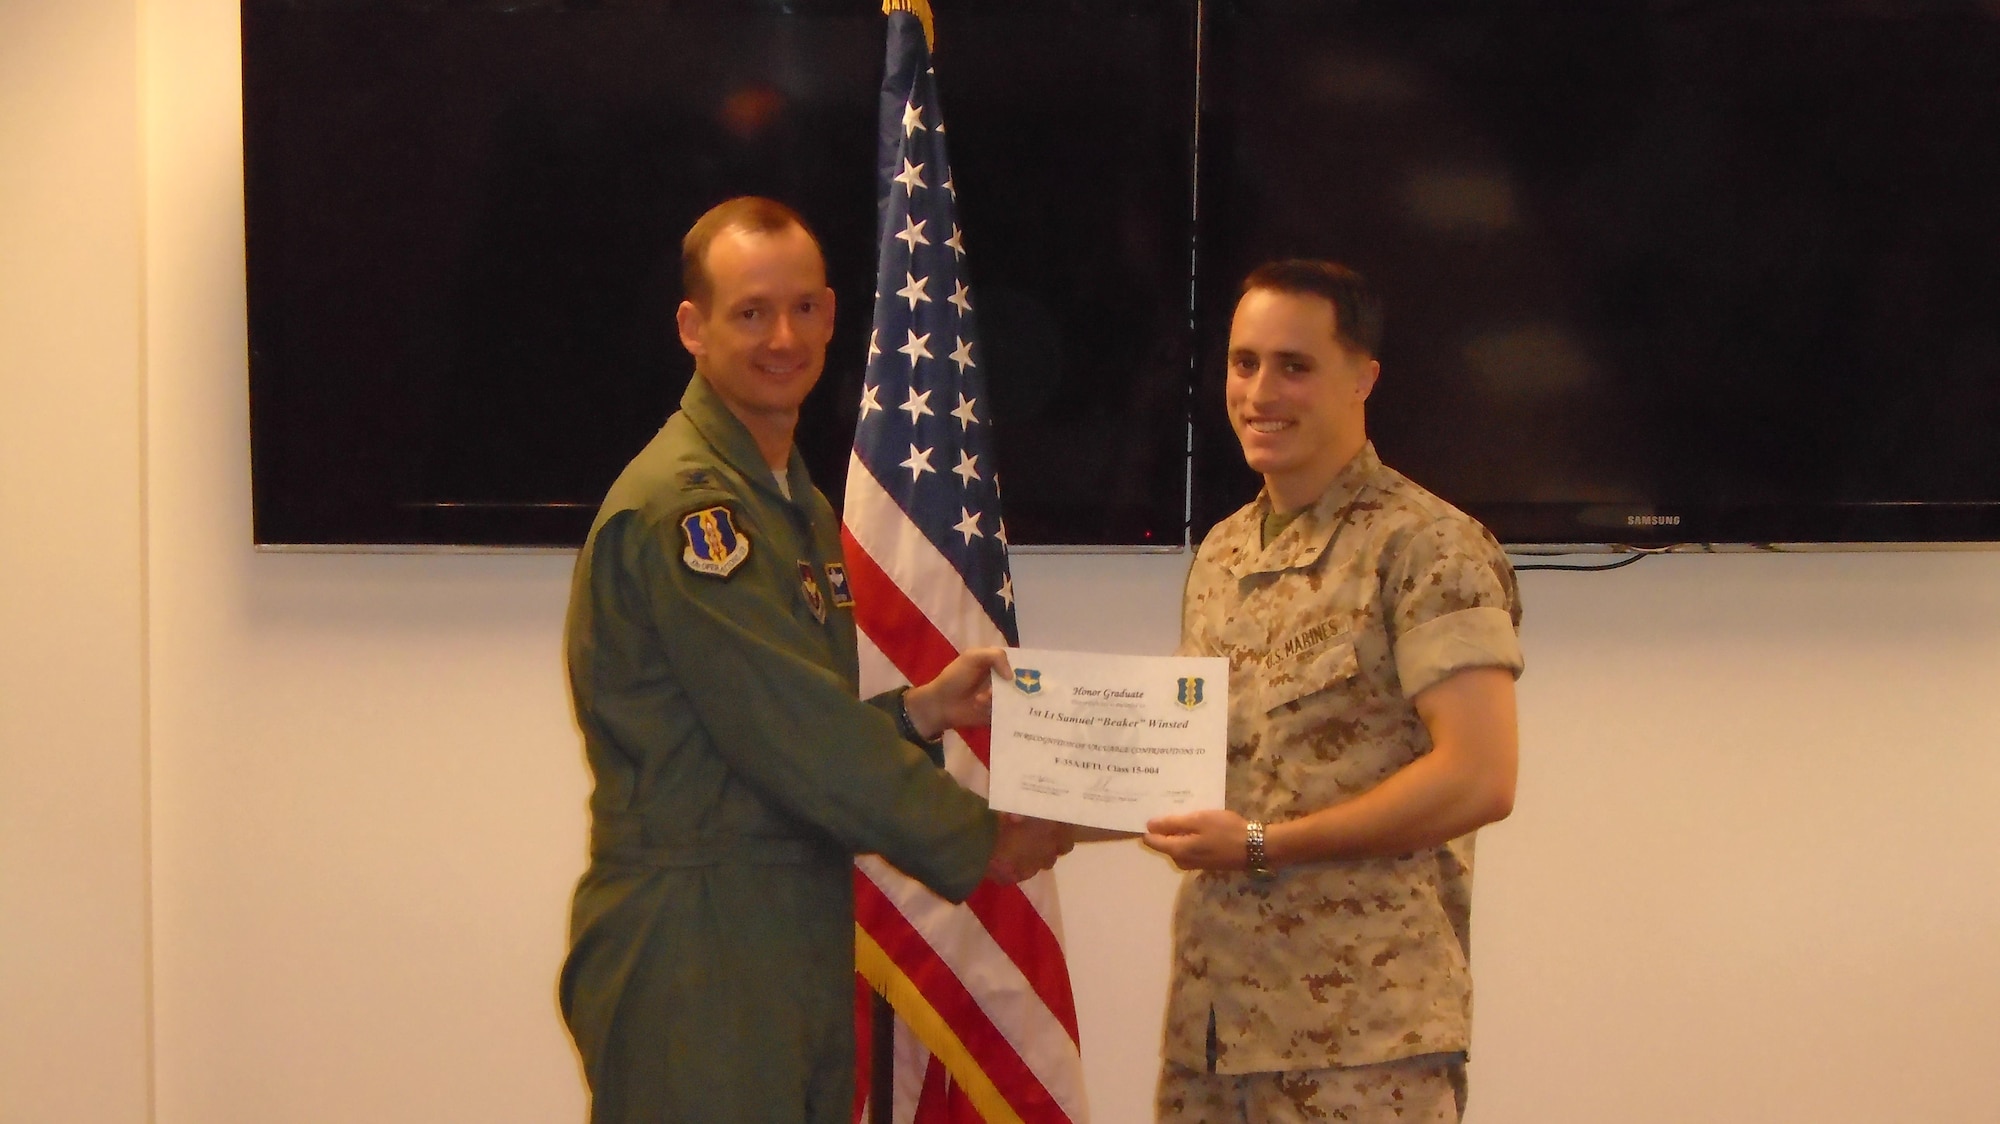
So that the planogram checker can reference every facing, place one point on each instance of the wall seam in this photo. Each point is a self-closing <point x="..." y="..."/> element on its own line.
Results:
<point x="142" y="41"/>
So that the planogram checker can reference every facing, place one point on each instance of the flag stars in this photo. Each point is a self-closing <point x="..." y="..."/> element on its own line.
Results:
<point x="954" y="331"/>
<point x="913" y="234"/>
<point x="968" y="525"/>
<point x="968" y="467"/>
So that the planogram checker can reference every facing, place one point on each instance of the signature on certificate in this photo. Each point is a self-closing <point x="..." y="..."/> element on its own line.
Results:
<point x="1107" y="790"/>
<point x="1044" y="784"/>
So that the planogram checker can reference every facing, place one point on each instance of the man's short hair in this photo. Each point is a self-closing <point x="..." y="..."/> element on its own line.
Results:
<point x="751" y="213"/>
<point x="1357" y="311"/>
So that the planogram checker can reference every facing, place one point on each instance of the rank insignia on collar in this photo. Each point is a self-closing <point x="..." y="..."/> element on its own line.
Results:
<point x="810" y="584"/>
<point x="836" y="580"/>
<point x="714" y="546"/>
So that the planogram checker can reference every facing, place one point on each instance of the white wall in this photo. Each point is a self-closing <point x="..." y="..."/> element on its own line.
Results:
<point x="1751" y="875"/>
<point x="73" y="911"/>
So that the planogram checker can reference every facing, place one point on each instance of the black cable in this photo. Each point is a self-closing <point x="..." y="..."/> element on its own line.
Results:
<point x="1635" y="554"/>
<point x="1618" y="565"/>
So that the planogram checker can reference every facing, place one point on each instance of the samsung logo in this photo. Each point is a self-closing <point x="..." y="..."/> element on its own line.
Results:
<point x="1652" y="520"/>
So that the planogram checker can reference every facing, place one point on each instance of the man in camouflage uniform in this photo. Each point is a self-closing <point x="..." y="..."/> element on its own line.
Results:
<point x="712" y="662"/>
<point x="1320" y="949"/>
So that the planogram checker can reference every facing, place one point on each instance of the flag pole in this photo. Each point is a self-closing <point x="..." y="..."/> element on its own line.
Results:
<point x="882" y="1061"/>
<point x="882" y="1029"/>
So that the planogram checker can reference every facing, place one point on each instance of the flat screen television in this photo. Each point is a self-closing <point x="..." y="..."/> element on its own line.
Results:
<point x="463" y="225"/>
<point x="1656" y="272"/>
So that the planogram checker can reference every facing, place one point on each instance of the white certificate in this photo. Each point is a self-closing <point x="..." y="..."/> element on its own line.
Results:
<point x="1108" y="741"/>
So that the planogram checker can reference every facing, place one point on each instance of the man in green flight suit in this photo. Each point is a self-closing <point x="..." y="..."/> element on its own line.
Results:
<point x="713" y="667"/>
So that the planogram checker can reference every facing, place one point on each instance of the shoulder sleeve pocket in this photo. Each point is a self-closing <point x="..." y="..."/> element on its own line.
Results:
<point x="1304" y="676"/>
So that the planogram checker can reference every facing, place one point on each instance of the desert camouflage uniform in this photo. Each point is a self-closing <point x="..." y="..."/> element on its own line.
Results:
<point x="1374" y="593"/>
<point x="1426" y="1089"/>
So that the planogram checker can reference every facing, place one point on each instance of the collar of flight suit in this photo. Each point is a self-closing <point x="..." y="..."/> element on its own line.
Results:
<point x="728" y="436"/>
<point x="1301" y="544"/>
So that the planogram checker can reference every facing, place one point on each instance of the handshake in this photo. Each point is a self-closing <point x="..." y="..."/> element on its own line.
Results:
<point x="1026" y="847"/>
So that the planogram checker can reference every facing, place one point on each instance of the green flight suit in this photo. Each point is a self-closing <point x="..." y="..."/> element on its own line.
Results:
<point x="710" y="973"/>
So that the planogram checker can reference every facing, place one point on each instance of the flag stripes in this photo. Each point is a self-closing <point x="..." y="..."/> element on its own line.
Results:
<point x="908" y="958"/>
<point x="983" y="987"/>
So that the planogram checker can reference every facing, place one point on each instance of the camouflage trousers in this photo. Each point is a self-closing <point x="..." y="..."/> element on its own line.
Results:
<point x="1426" y="1089"/>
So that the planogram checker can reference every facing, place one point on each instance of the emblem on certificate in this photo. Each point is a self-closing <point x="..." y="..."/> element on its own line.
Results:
<point x="1028" y="680"/>
<point x="714" y="545"/>
<point x="1190" y="693"/>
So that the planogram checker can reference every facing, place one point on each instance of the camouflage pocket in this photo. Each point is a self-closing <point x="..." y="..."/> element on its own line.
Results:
<point x="1298" y="679"/>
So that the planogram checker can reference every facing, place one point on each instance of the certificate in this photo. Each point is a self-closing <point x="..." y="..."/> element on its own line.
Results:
<point x="1108" y="741"/>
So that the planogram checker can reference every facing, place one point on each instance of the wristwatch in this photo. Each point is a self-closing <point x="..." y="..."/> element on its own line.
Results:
<point x="1253" y="850"/>
<point x="904" y="725"/>
<point x="934" y="748"/>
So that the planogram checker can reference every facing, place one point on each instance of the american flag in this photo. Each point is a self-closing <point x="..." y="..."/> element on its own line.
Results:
<point x="986" y="1026"/>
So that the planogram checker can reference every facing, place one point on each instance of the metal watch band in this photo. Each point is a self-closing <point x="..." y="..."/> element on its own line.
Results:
<point x="1253" y="849"/>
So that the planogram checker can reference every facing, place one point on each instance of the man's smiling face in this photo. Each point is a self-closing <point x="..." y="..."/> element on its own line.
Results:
<point x="1295" y="393"/>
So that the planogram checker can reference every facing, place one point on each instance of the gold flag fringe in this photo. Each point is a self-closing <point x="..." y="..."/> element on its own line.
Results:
<point x="919" y="8"/>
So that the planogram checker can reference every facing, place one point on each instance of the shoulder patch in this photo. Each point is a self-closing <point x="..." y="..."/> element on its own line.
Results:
<point x="714" y="546"/>
<point x="836" y="576"/>
<point x="810" y="585"/>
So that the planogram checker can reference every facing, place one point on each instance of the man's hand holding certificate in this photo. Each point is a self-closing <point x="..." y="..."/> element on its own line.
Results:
<point x="1108" y="741"/>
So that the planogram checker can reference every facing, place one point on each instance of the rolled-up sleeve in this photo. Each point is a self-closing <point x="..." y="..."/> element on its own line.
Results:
<point x="1455" y="606"/>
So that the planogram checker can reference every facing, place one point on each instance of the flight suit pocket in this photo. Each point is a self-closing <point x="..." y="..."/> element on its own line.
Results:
<point x="1302" y="677"/>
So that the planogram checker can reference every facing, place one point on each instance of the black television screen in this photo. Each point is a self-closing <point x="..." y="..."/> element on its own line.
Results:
<point x="463" y="226"/>
<point x="1656" y="272"/>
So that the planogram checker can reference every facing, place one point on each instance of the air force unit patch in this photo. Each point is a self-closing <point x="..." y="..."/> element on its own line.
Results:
<point x="836" y="579"/>
<point x="714" y="546"/>
<point x="1028" y="680"/>
<point x="811" y="587"/>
